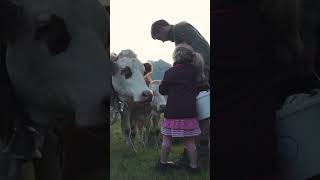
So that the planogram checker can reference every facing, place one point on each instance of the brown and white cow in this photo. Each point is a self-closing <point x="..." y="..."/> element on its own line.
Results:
<point x="128" y="82"/>
<point x="158" y="105"/>
<point x="145" y="117"/>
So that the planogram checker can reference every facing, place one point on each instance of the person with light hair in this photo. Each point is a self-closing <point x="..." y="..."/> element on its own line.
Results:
<point x="180" y="84"/>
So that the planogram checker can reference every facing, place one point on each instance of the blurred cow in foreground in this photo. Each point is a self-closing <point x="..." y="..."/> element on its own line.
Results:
<point x="58" y="73"/>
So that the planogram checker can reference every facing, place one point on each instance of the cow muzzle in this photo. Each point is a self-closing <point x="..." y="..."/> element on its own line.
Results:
<point x="147" y="96"/>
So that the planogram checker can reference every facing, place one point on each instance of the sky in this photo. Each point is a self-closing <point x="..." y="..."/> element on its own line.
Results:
<point x="131" y="20"/>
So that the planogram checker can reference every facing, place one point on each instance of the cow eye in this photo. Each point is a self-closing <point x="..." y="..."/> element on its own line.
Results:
<point x="126" y="71"/>
<point x="54" y="31"/>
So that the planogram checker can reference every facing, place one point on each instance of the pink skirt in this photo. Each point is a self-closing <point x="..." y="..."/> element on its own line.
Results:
<point x="186" y="127"/>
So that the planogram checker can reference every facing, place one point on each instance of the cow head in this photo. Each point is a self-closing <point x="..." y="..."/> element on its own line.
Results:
<point x="128" y="79"/>
<point x="159" y="101"/>
<point x="58" y="62"/>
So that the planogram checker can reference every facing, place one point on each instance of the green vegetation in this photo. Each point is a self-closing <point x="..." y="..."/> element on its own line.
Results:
<point x="128" y="166"/>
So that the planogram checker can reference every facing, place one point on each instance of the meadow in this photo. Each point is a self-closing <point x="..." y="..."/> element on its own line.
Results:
<point x="129" y="166"/>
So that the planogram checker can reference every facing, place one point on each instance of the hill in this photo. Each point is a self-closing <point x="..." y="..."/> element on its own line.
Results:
<point x="159" y="67"/>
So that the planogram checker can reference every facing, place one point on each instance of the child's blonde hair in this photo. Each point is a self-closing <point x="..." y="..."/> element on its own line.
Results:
<point x="185" y="53"/>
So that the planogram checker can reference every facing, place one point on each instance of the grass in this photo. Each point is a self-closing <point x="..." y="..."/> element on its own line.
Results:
<point x="128" y="166"/>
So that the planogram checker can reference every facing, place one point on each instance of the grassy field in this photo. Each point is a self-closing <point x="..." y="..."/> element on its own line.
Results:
<point x="140" y="166"/>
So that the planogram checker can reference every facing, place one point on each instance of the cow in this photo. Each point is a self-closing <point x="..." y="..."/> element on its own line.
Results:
<point x="56" y="62"/>
<point x="128" y="83"/>
<point x="158" y="105"/>
<point x="145" y="117"/>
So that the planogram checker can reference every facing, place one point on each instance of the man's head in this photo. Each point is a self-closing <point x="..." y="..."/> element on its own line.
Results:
<point x="160" y="29"/>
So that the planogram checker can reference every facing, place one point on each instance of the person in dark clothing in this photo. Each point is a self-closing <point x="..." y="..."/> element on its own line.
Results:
<point x="179" y="33"/>
<point x="180" y="116"/>
<point x="183" y="32"/>
<point x="248" y="73"/>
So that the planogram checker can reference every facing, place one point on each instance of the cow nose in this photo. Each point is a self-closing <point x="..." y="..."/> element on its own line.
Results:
<point x="148" y="95"/>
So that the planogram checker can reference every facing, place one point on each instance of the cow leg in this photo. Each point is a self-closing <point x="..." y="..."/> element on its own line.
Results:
<point x="126" y="127"/>
<point x="17" y="152"/>
<point x="141" y="132"/>
<point x="156" y="130"/>
<point x="10" y="168"/>
<point x="148" y="124"/>
<point x="113" y="117"/>
<point x="133" y="131"/>
<point x="49" y="167"/>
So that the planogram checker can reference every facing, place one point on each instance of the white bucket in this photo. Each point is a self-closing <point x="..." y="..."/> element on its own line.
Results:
<point x="298" y="130"/>
<point x="203" y="105"/>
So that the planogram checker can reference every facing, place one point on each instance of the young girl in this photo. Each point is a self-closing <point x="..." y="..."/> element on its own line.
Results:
<point x="180" y="116"/>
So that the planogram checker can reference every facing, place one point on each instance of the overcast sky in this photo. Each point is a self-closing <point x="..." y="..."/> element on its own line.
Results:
<point x="131" y="20"/>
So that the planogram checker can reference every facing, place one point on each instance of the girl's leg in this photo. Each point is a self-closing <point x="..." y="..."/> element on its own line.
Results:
<point x="202" y="140"/>
<point x="192" y="151"/>
<point x="165" y="149"/>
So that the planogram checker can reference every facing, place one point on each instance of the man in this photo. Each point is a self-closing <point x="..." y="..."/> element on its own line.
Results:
<point x="184" y="32"/>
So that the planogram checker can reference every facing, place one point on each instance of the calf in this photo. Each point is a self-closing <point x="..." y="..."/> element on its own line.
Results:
<point x="158" y="105"/>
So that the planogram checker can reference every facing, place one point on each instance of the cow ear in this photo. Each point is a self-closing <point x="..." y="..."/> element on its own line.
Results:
<point x="114" y="68"/>
<point x="11" y="19"/>
<point x="147" y="68"/>
<point x="113" y="57"/>
<point x="52" y="29"/>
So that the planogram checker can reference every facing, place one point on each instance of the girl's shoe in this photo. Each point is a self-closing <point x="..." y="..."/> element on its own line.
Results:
<point x="164" y="167"/>
<point x="183" y="160"/>
<point x="161" y="167"/>
<point x="193" y="170"/>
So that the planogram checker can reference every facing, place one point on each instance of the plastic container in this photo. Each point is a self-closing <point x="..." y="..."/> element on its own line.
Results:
<point x="203" y="105"/>
<point x="298" y="131"/>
